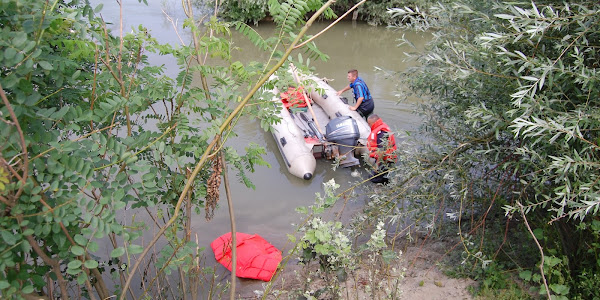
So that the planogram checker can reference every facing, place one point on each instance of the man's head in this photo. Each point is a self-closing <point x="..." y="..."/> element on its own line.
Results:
<point x="352" y="75"/>
<point x="372" y="119"/>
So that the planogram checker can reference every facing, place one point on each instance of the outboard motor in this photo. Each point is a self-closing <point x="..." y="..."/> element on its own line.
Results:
<point x="344" y="132"/>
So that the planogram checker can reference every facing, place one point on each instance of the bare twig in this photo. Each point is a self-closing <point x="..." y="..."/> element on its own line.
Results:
<point x="539" y="247"/>
<point x="233" y="230"/>
<point x="174" y="24"/>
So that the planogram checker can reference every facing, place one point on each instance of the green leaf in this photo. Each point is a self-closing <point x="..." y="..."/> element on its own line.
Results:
<point x="559" y="289"/>
<point x="551" y="261"/>
<point x="81" y="278"/>
<point x="4" y="284"/>
<point x="9" y="53"/>
<point x="9" y="238"/>
<point x="77" y="250"/>
<point x="135" y="249"/>
<point x="76" y="74"/>
<point x="57" y="116"/>
<point x="19" y="39"/>
<point x="45" y="65"/>
<point x="76" y="264"/>
<point x="389" y="256"/>
<point x="118" y="194"/>
<point x="525" y="275"/>
<point x="98" y="8"/>
<point x="117" y="252"/>
<point x="320" y="235"/>
<point x="302" y="210"/>
<point x="79" y="239"/>
<point x="26" y="49"/>
<point x="73" y="271"/>
<point x="131" y="160"/>
<point x="38" y="281"/>
<point x="93" y="246"/>
<point x="27" y="289"/>
<point x="291" y="238"/>
<point x="91" y="264"/>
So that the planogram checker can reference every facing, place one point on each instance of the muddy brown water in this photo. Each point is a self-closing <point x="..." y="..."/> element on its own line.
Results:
<point x="269" y="210"/>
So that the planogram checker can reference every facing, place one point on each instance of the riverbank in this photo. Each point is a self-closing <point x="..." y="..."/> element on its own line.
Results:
<point x="417" y="274"/>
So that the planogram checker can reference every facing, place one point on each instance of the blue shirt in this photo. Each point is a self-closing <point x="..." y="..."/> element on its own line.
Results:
<point x="360" y="89"/>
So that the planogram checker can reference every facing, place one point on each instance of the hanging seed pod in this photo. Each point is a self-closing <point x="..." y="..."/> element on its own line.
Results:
<point x="212" y="188"/>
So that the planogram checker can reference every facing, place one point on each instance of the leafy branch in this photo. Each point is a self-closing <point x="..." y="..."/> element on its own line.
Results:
<point x="215" y="141"/>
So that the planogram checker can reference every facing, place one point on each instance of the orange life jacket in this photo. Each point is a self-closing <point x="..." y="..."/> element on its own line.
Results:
<point x="377" y="127"/>
<point x="256" y="258"/>
<point x="293" y="98"/>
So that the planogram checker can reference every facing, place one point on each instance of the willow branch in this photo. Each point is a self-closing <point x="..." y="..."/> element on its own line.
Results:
<point x="209" y="148"/>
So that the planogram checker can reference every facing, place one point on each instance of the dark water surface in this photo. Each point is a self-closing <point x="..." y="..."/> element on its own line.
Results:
<point x="269" y="209"/>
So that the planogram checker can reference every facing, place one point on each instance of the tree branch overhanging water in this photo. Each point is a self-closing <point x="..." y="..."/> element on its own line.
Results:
<point x="210" y="147"/>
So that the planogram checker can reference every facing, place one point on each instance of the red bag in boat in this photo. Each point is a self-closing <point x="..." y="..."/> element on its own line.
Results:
<point x="256" y="258"/>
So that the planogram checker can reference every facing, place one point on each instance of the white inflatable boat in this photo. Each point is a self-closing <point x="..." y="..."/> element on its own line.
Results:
<point x="326" y="128"/>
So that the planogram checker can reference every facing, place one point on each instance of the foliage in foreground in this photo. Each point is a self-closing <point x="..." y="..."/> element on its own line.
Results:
<point x="513" y="101"/>
<point x="341" y="261"/>
<point x="91" y="129"/>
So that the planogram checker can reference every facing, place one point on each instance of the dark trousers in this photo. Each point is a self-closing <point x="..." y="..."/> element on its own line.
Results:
<point x="380" y="175"/>
<point x="365" y="109"/>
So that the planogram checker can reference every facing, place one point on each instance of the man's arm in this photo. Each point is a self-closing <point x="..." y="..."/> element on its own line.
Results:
<point x="380" y="140"/>
<point x="343" y="90"/>
<point x="360" y="97"/>
<point x="358" y="102"/>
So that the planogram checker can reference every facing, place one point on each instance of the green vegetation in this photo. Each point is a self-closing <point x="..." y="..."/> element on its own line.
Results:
<point x="90" y="129"/>
<point x="512" y="106"/>
<point x="334" y="264"/>
<point x="374" y="12"/>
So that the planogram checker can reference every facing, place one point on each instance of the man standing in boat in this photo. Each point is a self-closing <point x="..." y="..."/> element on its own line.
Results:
<point x="364" y="102"/>
<point x="382" y="145"/>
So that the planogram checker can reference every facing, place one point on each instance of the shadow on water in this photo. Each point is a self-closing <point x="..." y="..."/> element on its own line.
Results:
<point x="268" y="209"/>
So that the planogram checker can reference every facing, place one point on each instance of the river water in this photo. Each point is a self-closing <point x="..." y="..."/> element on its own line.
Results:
<point x="268" y="210"/>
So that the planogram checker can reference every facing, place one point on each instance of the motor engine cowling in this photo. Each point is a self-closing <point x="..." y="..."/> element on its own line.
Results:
<point x="344" y="132"/>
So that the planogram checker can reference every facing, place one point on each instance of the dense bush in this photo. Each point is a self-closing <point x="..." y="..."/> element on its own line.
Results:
<point x="374" y="12"/>
<point x="92" y="134"/>
<point x="512" y="105"/>
<point x="247" y="11"/>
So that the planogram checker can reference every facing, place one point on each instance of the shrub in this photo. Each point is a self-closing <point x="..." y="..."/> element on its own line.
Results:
<point x="512" y="106"/>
